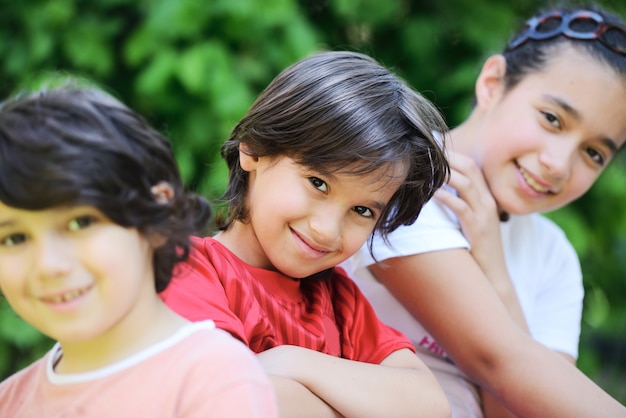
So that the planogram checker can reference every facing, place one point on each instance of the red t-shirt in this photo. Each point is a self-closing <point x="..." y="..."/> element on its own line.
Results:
<point x="265" y="308"/>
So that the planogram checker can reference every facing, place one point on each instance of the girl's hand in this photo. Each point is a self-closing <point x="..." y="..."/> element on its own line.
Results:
<point x="477" y="212"/>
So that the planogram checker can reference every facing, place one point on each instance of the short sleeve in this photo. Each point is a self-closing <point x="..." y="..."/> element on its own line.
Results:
<point x="435" y="229"/>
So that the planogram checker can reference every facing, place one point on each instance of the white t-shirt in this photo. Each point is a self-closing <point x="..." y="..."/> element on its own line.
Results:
<point x="542" y="263"/>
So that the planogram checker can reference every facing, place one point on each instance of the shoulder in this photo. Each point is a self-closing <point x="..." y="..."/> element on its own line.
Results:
<point x="208" y="258"/>
<point x="14" y="388"/>
<point x="207" y="246"/>
<point x="204" y="338"/>
<point x="214" y="352"/>
<point x="435" y="229"/>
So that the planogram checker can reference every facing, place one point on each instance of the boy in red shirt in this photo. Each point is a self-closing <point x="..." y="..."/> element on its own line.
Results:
<point x="335" y="148"/>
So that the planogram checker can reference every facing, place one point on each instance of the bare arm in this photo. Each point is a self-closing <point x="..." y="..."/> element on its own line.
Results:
<point x="467" y="302"/>
<point x="401" y="386"/>
<point x="296" y="401"/>
<point x="448" y="293"/>
<point x="477" y="213"/>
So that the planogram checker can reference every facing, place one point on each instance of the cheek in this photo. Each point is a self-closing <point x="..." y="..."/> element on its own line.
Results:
<point x="124" y="259"/>
<point x="14" y="287"/>
<point x="580" y="183"/>
<point x="271" y="192"/>
<point x="12" y="274"/>
<point x="354" y="238"/>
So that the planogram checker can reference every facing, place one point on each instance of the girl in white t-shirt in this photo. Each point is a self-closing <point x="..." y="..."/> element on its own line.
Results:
<point x="495" y="307"/>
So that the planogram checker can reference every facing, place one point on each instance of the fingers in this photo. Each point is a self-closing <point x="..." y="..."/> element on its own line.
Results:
<point x="456" y="204"/>
<point x="473" y="204"/>
<point x="467" y="179"/>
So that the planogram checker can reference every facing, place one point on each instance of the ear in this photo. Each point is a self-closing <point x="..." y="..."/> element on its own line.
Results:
<point x="163" y="192"/>
<point x="490" y="82"/>
<point x="247" y="161"/>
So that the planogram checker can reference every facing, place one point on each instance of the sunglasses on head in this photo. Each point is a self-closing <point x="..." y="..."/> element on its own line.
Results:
<point x="582" y="24"/>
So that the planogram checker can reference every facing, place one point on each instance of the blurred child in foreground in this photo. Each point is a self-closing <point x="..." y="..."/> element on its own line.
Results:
<point x="93" y="219"/>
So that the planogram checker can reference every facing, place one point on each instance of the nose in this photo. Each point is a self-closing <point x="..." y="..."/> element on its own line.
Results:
<point x="325" y="224"/>
<point x="557" y="159"/>
<point x="53" y="258"/>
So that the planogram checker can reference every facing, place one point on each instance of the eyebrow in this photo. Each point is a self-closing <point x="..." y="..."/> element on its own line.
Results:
<point x="563" y="105"/>
<point x="608" y="142"/>
<point x="7" y="223"/>
<point x="378" y="206"/>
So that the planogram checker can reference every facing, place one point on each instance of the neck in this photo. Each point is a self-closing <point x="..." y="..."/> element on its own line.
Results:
<point x="121" y="341"/>
<point x="464" y="138"/>
<point x="241" y="240"/>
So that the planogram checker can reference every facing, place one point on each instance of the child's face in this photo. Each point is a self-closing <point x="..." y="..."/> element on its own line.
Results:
<point x="303" y="222"/>
<point x="72" y="273"/>
<point x="546" y="141"/>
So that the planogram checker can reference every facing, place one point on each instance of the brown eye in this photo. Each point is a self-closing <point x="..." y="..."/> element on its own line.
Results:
<point x="363" y="211"/>
<point x="596" y="156"/>
<point x="552" y="119"/>
<point x="319" y="184"/>
<point x="80" y="222"/>
<point x="13" y="240"/>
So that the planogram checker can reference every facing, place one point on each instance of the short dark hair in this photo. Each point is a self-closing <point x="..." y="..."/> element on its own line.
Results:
<point x="79" y="145"/>
<point x="340" y="111"/>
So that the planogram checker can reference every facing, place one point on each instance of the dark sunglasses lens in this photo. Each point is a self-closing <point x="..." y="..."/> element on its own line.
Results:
<point x="615" y="38"/>
<point x="547" y="27"/>
<point x="549" y="24"/>
<point x="584" y="27"/>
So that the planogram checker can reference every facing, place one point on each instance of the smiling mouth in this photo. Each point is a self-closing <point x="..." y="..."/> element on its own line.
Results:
<point x="539" y="188"/>
<point x="311" y="245"/>
<point x="67" y="297"/>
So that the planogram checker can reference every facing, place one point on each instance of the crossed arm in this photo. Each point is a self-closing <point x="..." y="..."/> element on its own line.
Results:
<point x="312" y="384"/>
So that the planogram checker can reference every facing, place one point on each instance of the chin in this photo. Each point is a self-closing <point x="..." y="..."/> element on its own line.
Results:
<point x="517" y="210"/>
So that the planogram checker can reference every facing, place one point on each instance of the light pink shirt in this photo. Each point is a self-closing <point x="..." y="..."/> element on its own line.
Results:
<point x="198" y="372"/>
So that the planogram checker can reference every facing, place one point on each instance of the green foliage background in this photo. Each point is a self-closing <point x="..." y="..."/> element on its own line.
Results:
<point x="193" y="67"/>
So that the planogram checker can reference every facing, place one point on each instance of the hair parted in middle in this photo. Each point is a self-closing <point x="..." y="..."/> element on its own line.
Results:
<point x="343" y="112"/>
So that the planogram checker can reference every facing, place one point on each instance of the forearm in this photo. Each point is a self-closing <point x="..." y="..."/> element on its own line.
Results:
<point x="503" y="285"/>
<point x="493" y="408"/>
<point x="466" y="318"/>
<point x="542" y="383"/>
<point x="366" y="390"/>
<point x="295" y="400"/>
